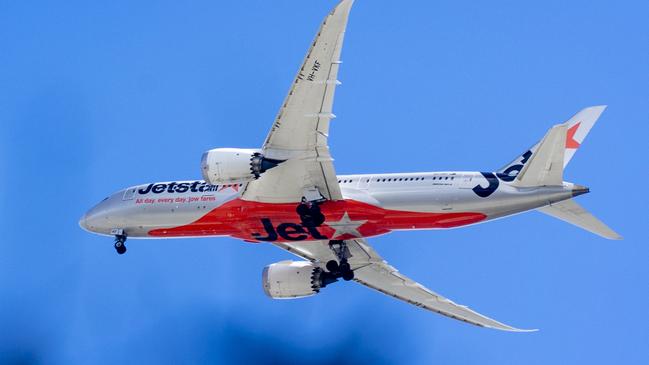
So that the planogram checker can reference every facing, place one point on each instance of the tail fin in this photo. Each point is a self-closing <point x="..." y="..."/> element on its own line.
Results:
<point x="571" y="212"/>
<point x="574" y="132"/>
<point x="578" y="127"/>
<point x="546" y="165"/>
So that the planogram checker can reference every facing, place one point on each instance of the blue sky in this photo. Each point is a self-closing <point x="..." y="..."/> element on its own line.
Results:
<point x="98" y="96"/>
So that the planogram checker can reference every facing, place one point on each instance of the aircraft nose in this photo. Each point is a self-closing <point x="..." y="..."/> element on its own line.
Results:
<point x="83" y="222"/>
<point x="94" y="220"/>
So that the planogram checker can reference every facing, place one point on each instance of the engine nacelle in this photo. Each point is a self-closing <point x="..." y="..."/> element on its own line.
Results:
<point x="234" y="165"/>
<point x="293" y="279"/>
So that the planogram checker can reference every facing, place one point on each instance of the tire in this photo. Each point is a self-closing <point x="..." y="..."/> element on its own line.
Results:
<point x="319" y="219"/>
<point x="344" y="267"/>
<point x="348" y="275"/>
<point x="302" y="209"/>
<point x="307" y="221"/>
<point x="332" y="266"/>
<point x="121" y="249"/>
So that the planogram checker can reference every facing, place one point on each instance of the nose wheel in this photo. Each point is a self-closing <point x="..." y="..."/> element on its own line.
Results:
<point x="120" y="246"/>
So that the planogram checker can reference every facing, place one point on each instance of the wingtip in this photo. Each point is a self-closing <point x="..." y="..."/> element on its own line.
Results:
<point x="345" y="6"/>
<point x="513" y="329"/>
<point x="611" y="235"/>
<point x="527" y="331"/>
<point x="508" y="328"/>
<point x="345" y="3"/>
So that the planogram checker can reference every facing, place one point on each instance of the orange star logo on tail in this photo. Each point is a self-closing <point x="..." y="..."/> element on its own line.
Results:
<point x="570" y="137"/>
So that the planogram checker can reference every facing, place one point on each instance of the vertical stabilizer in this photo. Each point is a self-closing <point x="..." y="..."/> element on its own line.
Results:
<point x="577" y="129"/>
<point x="545" y="168"/>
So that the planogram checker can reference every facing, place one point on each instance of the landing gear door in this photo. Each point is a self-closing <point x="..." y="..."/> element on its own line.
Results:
<point x="364" y="182"/>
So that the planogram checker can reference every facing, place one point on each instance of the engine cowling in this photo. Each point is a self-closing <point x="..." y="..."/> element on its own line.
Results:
<point x="293" y="279"/>
<point x="234" y="165"/>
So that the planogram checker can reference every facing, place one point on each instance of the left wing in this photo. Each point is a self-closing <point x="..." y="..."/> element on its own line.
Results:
<point x="300" y="132"/>
<point x="372" y="271"/>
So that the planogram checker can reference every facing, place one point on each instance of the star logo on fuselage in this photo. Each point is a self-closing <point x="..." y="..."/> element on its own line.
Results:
<point x="346" y="226"/>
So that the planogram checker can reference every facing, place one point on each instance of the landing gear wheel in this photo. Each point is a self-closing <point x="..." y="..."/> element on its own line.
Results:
<point x="119" y="244"/>
<point x="332" y="266"/>
<point x="346" y="271"/>
<point x="121" y="249"/>
<point x="344" y="267"/>
<point x="348" y="275"/>
<point x="310" y="214"/>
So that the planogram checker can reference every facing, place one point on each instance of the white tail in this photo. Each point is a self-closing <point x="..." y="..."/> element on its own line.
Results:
<point x="543" y="165"/>
<point x="545" y="168"/>
<point x="576" y="130"/>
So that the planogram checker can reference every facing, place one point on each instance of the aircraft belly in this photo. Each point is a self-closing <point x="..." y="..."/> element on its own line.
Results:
<point x="343" y="219"/>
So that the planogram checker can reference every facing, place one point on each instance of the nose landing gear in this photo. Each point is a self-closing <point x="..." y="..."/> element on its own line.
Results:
<point x="120" y="240"/>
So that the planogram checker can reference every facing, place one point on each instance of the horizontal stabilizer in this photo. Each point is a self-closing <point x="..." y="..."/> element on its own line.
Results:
<point x="571" y="212"/>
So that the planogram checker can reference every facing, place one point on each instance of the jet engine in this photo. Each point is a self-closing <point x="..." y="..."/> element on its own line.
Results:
<point x="294" y="279"/>
<point x="234" y="165"/>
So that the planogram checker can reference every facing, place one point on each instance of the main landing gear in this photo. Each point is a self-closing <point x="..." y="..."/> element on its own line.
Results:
<point x="310" y="214"/>
<point x="120" y="240"/>
<point x="311" y="217"/>
<point x="340" y="268"/>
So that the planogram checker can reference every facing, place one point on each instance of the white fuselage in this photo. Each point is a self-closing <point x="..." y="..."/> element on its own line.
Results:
<point x="382" y="202"/>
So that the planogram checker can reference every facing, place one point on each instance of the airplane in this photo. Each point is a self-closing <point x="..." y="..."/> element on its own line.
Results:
<point x="287" y="193"/>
